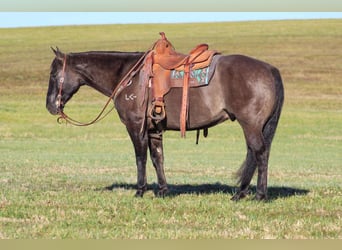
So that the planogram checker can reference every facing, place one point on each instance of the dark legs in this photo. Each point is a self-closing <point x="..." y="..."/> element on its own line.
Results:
<point x="245" y="175"/>
<point x="140" y="148"/>
<point x="155" y="144"/>
<point x="257" y="157"/>
<point x="262" y="161"/>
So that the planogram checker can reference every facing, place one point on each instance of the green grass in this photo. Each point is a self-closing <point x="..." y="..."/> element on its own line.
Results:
<point x="53" y="178"/>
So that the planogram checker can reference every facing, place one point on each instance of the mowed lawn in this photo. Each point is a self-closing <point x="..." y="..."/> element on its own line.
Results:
<point x="64" y="182"/>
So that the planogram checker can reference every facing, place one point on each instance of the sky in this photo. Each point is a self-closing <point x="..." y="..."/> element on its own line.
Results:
<point x="38" y="19"/>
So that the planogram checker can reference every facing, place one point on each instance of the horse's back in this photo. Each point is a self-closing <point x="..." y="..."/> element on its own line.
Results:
<point x="250" y="68"/>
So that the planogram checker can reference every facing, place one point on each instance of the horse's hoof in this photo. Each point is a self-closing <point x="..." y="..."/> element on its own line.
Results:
<point x="260" y="197"/>
<point x="139" y="194"/>
<point x="162" y="193"/>
<point x="238" y="196"/>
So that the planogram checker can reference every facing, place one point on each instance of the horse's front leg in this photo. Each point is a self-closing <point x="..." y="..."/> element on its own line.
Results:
<point x="155" y="143"/>
<point x="140" y="148"/>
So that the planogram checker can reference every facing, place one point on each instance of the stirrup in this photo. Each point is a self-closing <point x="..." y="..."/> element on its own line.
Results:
<point x="157" y="111"/>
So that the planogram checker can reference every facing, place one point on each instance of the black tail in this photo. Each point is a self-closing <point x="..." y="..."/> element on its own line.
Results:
<point x="272" y="123"/>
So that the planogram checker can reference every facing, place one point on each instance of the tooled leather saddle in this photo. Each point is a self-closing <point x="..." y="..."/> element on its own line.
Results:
<point x="158" y="65"/>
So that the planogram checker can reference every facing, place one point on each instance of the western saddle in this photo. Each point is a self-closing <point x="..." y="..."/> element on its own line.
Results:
<point x="159" y="63"/>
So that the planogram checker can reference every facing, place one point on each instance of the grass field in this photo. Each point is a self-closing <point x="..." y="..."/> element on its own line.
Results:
<point x="53" y="177"/>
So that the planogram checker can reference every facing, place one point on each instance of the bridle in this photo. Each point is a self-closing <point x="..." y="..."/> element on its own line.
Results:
<point x="60" y="85"/>
<point x="125" y="81"/>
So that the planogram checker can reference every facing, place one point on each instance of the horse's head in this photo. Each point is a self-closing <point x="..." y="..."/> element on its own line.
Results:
<point x="63" y="84"/>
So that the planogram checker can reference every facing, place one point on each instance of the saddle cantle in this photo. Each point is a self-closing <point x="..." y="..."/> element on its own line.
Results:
<point x="158" y="65"/>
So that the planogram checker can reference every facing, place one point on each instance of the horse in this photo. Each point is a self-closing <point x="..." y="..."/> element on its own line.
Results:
<point x="242" y="88"/>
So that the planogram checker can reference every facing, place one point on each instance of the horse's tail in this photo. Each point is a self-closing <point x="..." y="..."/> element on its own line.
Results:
<point x="272" y="123"/>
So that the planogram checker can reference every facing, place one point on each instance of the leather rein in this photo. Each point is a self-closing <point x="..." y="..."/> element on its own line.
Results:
<point x="125" y="81"/>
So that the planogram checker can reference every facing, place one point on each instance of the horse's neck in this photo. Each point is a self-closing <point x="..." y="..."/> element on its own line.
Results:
<point x="109" y="73"/>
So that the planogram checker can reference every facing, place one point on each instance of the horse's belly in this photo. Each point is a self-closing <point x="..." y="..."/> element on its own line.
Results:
<point x="203" y="110"/>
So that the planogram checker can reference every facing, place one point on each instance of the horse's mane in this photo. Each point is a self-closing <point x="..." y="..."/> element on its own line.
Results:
<point x="56" y="63"/>
<point x="110" y="53"/>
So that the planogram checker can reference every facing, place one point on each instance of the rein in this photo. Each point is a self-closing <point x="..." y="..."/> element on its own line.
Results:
<point x="120" y="86"/>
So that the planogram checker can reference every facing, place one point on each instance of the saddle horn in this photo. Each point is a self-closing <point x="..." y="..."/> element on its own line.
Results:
<point x="162" y="35"/>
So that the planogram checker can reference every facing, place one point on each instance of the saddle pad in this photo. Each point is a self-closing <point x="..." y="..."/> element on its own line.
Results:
<point x="198" y="77"/>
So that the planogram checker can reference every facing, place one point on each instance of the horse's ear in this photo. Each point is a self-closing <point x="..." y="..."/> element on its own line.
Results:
<point x="59" y="54"/>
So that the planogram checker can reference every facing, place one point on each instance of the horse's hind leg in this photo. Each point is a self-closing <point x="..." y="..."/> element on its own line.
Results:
<point x="155" y="143"/>
<point x="257" y="156"/>
<point x="245" y="175"/>
<point x="262" y="156"/>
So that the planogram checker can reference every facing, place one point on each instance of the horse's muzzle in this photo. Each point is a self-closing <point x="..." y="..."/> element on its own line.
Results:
<point x="53" y="108"/>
